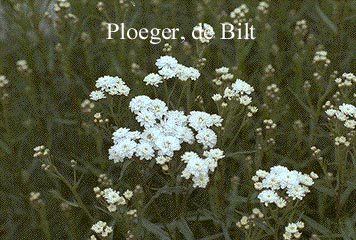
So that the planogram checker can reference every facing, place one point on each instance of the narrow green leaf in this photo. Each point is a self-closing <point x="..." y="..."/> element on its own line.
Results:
<point x="183" y="228"/>
<point x="312" y="223"/>
<point x="325" y="18"/>
<point x="155" y="229"/>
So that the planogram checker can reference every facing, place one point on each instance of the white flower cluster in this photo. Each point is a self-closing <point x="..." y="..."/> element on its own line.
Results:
<point x="164" y="131"/>
<point x="61" y="4"/>
<point x="346" y="113"/>
<point x="321" y="57"/>
<point x="205" y="32"/>
<point x="239" y="90"/>
<point x="222" y="74"/>
<point x="269" y="71"/>
<point x="292" y="230"/>
<point x="301" y="28"/>
<point x="238" y="15"/>
<point x="247" y="222"/>
<point x="342" y="140"/>
<point x="3" y="81"/>
<point x="102" y="229"/>
<point x="347" y="80"/>
<point x="169" y="68"/>
<point x="23" y="67"/>
<point x="112" y="198"/>
<point x="87" y="106"/>
<point x="40" y="151"/>
<point x="290" y="184"/>
<point x="263" y="7"/>
<point x="110" y="85"/>
<point x="198" y="168"/>
<point x="35" y="199"/>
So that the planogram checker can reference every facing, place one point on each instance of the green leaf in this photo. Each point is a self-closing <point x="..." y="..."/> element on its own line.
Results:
<point x="346" y="194"/>
<point x="59" y="196"/>
<point x="306" y="108"/>
<point x="312" y="223"/>
<point x="4" y="147"/>
<point x="328" y="191"/>
<point x="215" y="236"/>
<point x="155" y="229"/>
<point x="183" y="228"/>
<point x="325" y="18"/>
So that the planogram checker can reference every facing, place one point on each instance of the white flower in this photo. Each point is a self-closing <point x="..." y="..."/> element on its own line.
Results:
<point x="346" y="114"/>
<point x="268" y="196"/>
<point x="292" y="184"/>
<point x="280" y="202"/>
<point x="146" y="118"/>
<point x="292" y="230"/>
<point x="159" y="108"/>
<point x="111" y="196"/>
<point x="139" y="103"/>
<point x="163" y="134"/>
<point x="167" y="145"/>
<point x="112" y="85"/>
<point x="216" y="97"/>
<point x="167" y="72"/>
<point x="245" y="100"/>
<point x="153" y="79"/>
<point x="98" y="227"/>
<point x="200" y="120"/>
<point x="122" y="133"/>
<point x="341" y="116"/>
<point x="188" y="156"/>
<point x="144" y="151"/>
<point x="198" y="168"/>
<point x="184" y="73"/>
<point x="97" y="95"/>
<point x="162" y="160"/>
<point x="205" y="32"/>
<point x="216" y="154"/>
<point x="239" y="90"/>
<point x="222" y="70"/>
<point x="331" y="112"/>
<point x="3" y="81"/>
<point x="121" y="150"/>
<point x="206" y="137"/>
<point x="128" y="194"/>
<point x="166" y="61"/>
<point x="348" y="109"/>
<point x="350" y="124"/>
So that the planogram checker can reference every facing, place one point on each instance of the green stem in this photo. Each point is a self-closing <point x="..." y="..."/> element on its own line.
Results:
<point x="75" y="193"/>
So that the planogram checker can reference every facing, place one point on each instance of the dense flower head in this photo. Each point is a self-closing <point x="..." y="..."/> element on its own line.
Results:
<point x="153" y="79"/>
<point x="241" y="91"/>
<point x="112" y="199"/>
<point x="222" y="74"/>
<point x="292" y="230"/>
<point x="346" y="80"/>
<point x="198" y="168"/>
<point x="206" y="32"/>
<point x="110" y="85"/>
<point x="239" y="14"/>
<point x="346" y="113"/>
<point x="164" y="132"/>
<point x="168" y="67"/>
<point x="102" y="229"/>
<point x="280" y="185"/>
<point x="3" y="81"/>
<point x="301" y="28"/>
<point x="320" y="57"/>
